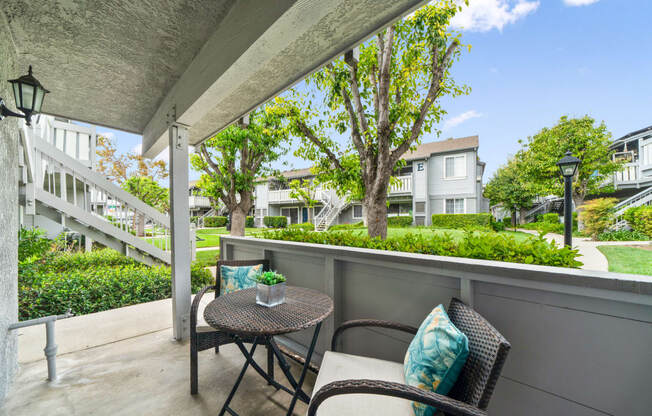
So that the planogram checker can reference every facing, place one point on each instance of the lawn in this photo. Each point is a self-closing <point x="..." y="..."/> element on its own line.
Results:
<point x="456" y="234"/>
<point x="624" y="259"/>
<point x="209" y="237"/>
<point x="207" y="257"/>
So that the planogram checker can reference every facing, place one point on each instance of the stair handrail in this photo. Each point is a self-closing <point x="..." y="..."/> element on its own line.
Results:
<point x="624" y="204"/>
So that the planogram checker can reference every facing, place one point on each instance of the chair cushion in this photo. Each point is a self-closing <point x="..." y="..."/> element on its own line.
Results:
<point x="337" y="366"/>
<point x="234" y="278"/>
<point x="435" y="357"/>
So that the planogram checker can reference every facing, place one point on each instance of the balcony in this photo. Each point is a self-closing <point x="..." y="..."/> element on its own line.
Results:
<point x="196" y="201"/>
<point x="402" y="187"/>
<point x="280" y="196"/>
<point x="628" y="175"/>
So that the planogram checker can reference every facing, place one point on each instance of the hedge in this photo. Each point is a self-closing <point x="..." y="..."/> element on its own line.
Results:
<point x="623" y="235"/>
<point x="353" y="226"/>
<point x="400" y="221"/>
<point x="476" y="245"/>
<point x="461" y="220"/>
<point x="218" y="221"/>
<point x="306" y="226"/>
<point x="640" y="219"/>
<point x="92" y="282"/>
<point x="275" y="222"/>
<point x="551" y="218"/>
<point x="249" y="222"/>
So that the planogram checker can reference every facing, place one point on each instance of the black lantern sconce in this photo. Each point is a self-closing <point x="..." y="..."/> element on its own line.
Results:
<point x="28" y="93"/>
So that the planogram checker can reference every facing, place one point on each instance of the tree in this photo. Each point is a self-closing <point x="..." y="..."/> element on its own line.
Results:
<point x="235" y="157"/>
<point x="508" y="187"/>
<point x="385" y="95"/>
<point x="585" y="140"/>
<point x="120" y="167"/>
<point x="305" y="191"/>
<point x="148" y="191"/>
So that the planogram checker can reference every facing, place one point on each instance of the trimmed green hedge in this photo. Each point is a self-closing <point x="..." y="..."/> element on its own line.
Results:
<point x="475" y="245"/>
<point x="640" y="219"/>
<point x="249" y="222"/>
<point x="275" y="222"/>
<point x="400" y="221"/>
<point x="551" y="218"/>
<point x="306" y="226"/>
<point x="623" y="235"/>
<point x="218" y="221"/>
<point x="461" y="220"/>
<point x="92" y="282"/>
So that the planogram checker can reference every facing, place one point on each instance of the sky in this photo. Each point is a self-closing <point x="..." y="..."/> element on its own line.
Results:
<point x="532" y="62"/>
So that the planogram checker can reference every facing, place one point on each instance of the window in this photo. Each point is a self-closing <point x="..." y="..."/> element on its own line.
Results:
<point x="646" y="150"/>
<point x="420" y="207"/>
<point x="455" y="206"/>
<point x="357" y="211"/>
<point x="455" y="167"/>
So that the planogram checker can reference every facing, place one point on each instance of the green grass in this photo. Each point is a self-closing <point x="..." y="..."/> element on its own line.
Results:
<point x="207" y="257"/>
<point x="456" y="234"/>
<point x="210" y="237"/>
<point x="623" y="259"/>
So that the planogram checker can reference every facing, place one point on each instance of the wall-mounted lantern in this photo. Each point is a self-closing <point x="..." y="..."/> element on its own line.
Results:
<point x="28" y="94"/>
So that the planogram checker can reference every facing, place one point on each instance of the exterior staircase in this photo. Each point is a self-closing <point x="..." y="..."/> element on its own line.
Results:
<point x="333" y="206"/>
<point x="642" y="198"/>
<point x="68" y="192"/>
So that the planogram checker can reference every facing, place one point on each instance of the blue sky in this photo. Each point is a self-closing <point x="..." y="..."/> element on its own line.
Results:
<point x="534" y="61"/>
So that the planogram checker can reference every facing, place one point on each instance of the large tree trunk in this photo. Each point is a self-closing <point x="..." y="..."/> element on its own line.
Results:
<point x="238" y="218"/>
<point x="311" y="212"/>
<point x="376" y="214"/>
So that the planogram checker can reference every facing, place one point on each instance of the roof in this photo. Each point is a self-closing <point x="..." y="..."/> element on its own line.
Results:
<point x="424" y="150"/>
<point x="634" y="133"/>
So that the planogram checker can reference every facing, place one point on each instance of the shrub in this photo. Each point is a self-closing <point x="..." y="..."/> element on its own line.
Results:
<point x="194" y="219"/>
<point x="249" y="222"/>
<point x="544" y="227"/>
<point x="498" y="225"/>
<point x="622" y="235"/>
<point x="400" y="221"/>
<point x="353" y="226"/>
<point x="218" y="221"/>
<point x="640" y="219"/>
<point x="306" y="226"/>
<point x="538" y="218"/>
<point x="488" y="246"/>
<point x="460" y="220"/>
<point x="32" y="242"/>
<point x="552" y="218"/>
<point x="597" y="215"/>
<point x="275" y="222"/>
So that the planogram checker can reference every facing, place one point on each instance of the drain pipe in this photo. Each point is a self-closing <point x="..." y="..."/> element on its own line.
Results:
<point x="50" y="349"/>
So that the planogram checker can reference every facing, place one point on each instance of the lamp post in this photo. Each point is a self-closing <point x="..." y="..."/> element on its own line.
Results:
<point x="568" y="166"/>
<point x="28" y="94"/>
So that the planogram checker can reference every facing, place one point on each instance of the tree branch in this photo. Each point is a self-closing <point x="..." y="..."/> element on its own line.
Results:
<point x="310" y="135"/>
<point x="353" y="84"/>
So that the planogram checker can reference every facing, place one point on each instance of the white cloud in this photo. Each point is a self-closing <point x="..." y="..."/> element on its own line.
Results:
<point x="109" y="135"/>
<point x="485" y="15"/>
<point x="573" y="3"/>
<point x="461" y="118"/>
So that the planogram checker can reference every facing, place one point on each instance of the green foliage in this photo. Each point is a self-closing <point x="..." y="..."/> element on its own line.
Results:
<point x="487" y="246"/>
<point x="508" y="187"/>
<point x="249" y="222"/>
<point x="353" y="226"/>
<point x="270" y="278"/>
<point x="544" y="227"/>
<point x="306" y="226"/>
<point x="32" y="242"/>
<point x="194" y="219"/>
<point x="585" y="140"/>
<point x="92" y="282"/>
<point x="597" y="215"/>
<point x="149" y="191"/>
<point x="275" y="222"/>
<point x="400" y="221"/>
<point x="622" y="235"/>
<point x="217" y="221"/>
<point x="461" y="220"/>
<point x="551" y="218"/>
<point x="640" y="219"/>
<point x="498" y="225"/>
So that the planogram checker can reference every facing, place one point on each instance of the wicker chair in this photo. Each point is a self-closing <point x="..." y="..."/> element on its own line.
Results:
<point x="469" y="396"/>
<point x="205" y="337"/>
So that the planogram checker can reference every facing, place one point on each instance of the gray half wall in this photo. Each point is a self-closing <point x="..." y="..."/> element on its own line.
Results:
<point x="8" y="214"/>
<point x="580" y="340"/>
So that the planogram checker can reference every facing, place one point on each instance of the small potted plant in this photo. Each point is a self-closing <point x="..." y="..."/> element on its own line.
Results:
<point x="270" y="289"/>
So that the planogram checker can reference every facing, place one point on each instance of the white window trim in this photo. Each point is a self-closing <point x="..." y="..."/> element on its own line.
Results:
<point x="453" y="178"/>
<point x="445" y="199"/>
<point x="353" y="211"/>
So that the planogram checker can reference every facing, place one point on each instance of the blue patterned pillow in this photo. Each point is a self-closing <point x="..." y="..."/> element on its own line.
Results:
<point x="435" y="357"/>
<point x="234" y="278"/>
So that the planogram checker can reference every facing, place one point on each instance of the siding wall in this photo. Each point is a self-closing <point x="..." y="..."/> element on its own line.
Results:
<point x="8" y="213"/>
<point x="580" y="340"/>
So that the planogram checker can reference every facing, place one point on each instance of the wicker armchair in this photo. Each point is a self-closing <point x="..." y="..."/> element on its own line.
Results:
<point x="205" y="337"/>
<point x="471" y="393"/>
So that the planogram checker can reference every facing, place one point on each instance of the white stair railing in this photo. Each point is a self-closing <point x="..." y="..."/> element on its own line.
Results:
<point x="642" y="198"/>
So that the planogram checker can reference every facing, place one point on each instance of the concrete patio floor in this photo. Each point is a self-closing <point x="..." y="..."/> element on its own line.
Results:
<point x="145" y="375"/>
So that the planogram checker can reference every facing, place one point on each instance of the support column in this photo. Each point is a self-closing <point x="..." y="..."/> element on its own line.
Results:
<point x="180" y="224"/>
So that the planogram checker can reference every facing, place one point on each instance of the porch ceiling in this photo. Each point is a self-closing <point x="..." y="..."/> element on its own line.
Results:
<point x="127" y="64"/>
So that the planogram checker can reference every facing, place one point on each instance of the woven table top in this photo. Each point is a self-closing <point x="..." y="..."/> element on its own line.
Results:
<point x="238" y="312"/>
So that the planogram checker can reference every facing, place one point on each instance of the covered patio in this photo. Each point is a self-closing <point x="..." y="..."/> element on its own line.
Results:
<point x="176" y="72"/>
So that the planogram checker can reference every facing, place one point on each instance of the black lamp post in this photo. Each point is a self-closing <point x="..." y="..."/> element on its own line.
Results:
<point x="28" y="94"/>
<point x="568" y="166"/>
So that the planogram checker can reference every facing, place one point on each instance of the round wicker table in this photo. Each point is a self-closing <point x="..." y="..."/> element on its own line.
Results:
<point x="239" y="315"/>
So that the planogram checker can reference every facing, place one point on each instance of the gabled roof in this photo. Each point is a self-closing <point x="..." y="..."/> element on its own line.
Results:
<point x="424" y="150"/>
<point x="633" y="134"/>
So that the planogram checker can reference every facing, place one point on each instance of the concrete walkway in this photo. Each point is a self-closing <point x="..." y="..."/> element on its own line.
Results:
<point x="592" y="258"/>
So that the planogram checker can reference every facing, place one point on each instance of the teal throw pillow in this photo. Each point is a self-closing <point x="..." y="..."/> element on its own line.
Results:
<point x="435" y="357"/>
<point x="234" y="278"/>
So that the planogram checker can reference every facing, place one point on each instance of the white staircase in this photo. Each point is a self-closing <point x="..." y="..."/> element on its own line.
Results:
<point x="210" y="213"/>
<point x="333" y="206"/>
<point x="642" y="198"/>
<point x="65" y="190"/>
